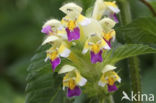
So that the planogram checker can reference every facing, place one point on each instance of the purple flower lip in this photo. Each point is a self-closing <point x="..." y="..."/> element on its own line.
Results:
<point x="74" y="34"/>
<point x="46" y="30"/>
<point x="112" y="88"/>
<point x="96" y="57"/>
<point x="74" y="92"/>
<point x="55" y="63"/>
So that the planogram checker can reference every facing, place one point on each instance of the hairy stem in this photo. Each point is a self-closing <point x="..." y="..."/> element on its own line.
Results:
<point x="109" y="99"/>
<point x="125" y="14"/>
<point x="135" y="74"/>
<point x="126" y="18"/>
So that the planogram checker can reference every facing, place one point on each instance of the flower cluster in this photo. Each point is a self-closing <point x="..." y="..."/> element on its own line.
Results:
<point x="95" y="34"/>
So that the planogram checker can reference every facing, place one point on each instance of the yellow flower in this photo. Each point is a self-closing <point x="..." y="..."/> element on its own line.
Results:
<point x="73" y="16"/>
<point x="107" y="24"/>
<point x="109" y="76"/>
<point x="95" y="44"/>
<point x="72" y="77"/>
<point x="110" y="35"/>
<point x="56" y="28"/>
<point x="71" y="10"/>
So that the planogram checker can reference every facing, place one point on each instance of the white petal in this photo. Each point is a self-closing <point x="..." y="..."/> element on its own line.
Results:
<point x="114" y="9"/>
<point x="84" y="51"/>
<point x="72" y="6"/>
<point x="66" y="68"/>
<point x="98" y="10"/>
<point x="106" y="47"/>
<point x="113" y="39"/>
<point x="82" y="82"/>
<point x="65" y="53"/>
<point x="85" y="22"/>
<point x="101" y="84"/>
<point x="63" y="88"/>
<point x="108" y="68"/>
<point x="107" y="23"/>
<point x="46" y="59"/>
<point x="64" y="36"/>
<point x="52" y="22"/>
<point x="93" y="28"/>
<point x="60" y="28"/>
<point x="119" y="80"/>
<point x="50" y="39"/>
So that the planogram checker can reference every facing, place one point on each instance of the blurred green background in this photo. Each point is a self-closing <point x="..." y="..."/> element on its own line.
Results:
<point x="20" y="36"/>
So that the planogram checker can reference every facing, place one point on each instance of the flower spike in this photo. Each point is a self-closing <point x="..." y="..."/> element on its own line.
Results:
<point x="54" y="27"/>
<point x="76" y="33"/>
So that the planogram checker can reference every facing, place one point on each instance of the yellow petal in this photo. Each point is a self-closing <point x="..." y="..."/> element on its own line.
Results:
<point x="103" y="81"/>
<point x="95" y="48"/>
<point x="117" y="78"/>
<point x="109" y="35"/>
<point x="104" y="45"/>
<point x="81" y="81"/>
<point x="54" y="55"/>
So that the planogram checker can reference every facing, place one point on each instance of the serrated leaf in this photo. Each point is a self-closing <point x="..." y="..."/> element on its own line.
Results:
<point x="126" y="51"/>
<point x="141" y="30"/>
<point x="43" y="85"/>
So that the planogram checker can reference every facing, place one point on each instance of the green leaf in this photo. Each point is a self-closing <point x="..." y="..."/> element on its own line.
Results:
<point x="43" y="85"/>
<point x="126" y="51"/>
<point x="141" y="30"/>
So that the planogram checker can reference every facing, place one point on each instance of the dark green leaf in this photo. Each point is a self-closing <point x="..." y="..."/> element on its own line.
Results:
<point x="126" y="51"/>
<point x="142" y="30"/>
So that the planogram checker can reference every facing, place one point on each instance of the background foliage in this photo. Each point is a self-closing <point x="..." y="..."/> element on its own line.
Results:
<point x="20" y="37"/>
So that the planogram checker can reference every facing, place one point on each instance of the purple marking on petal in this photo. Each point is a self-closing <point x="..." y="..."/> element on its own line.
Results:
<point x="73" y="35"/>
<point x="115" y="18"/>
<point x="75" y="92"/>
<point x="112" y="88"/>
<point x="108" y="42"/>
<point x="46" y="30"/>
<point x="96" y="57"/>
<point x="55" y="63"/>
